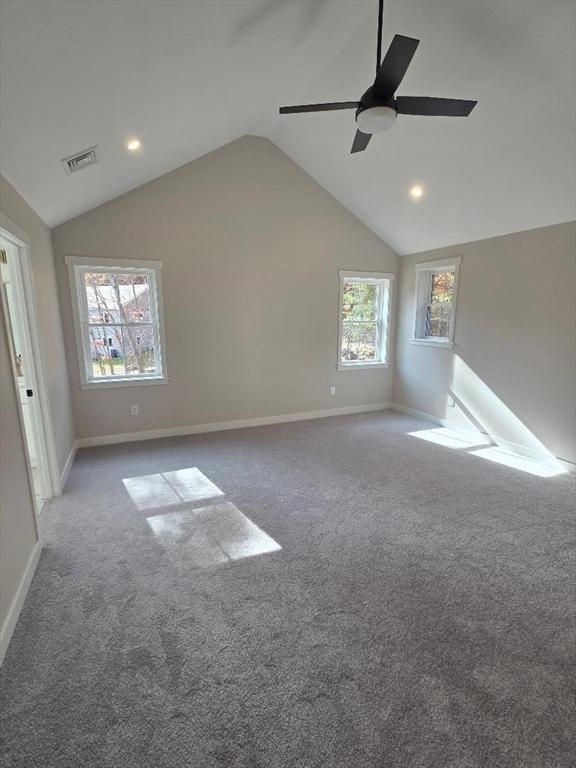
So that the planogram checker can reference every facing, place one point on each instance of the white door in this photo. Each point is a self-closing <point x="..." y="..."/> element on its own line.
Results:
<point x="23" y="366"/>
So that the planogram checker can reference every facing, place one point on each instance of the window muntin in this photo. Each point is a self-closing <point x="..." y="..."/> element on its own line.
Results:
<point x="435" y="302"/>
<point x="364" y="303"/>
<point x="118" y="322"/>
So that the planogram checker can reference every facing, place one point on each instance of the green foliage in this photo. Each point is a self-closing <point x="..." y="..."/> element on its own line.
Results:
<point x="359" y="341"/>
<point x="359" y="301"/>
<point x="104" y="365"/>
<point x="359" y="326"/>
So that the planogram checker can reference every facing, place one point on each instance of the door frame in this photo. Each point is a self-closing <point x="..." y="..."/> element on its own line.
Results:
<point x="25" y="299"/>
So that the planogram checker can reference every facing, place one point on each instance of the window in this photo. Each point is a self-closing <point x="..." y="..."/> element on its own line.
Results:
<point x="364" y="320"/>
<point x="118" y="323"/>
<point x="436" y="285"/>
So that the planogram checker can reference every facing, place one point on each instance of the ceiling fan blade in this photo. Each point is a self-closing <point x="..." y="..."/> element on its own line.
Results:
<point x="319" y="107"/>
<point x="360" y="142"/>
<point x="425" y="105"/>
<point x="395" y="64"/>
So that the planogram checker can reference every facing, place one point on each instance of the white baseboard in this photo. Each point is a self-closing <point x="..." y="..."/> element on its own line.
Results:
<point x="219" y="426"/>
<point x="11" y="620"/>
<point x="508" y="445"/>
<point x="68" y="466"/>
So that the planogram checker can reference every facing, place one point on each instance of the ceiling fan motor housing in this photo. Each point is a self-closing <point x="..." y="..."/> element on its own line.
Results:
<point x="375" y="113"/>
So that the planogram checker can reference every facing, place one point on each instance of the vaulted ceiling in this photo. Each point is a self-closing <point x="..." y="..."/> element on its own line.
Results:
<point x="187" y="76"/>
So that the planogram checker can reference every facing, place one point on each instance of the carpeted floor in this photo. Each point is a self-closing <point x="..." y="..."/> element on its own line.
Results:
<point x="325" y="594"/>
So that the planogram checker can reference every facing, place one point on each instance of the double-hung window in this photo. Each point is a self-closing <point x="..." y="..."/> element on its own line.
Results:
<point x="117" y="309"/>
<point x="364" y="320"/>
<point x="436" y="285"/>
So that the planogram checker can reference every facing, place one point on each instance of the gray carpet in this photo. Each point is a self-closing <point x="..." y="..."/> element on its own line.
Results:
<point x="327" y="594"/>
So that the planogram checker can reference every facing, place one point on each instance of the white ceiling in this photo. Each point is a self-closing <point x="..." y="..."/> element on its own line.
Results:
<point x="187" y="76"/>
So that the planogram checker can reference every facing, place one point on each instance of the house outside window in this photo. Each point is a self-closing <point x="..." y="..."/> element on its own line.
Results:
<point x="118" y="321"/>
<point x="436" y="287"/>
<point x="365" y="299"/>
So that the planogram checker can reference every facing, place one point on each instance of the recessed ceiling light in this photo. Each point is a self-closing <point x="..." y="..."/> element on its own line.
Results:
<point x="416" y="192"/>
<point x="133" y="145"/>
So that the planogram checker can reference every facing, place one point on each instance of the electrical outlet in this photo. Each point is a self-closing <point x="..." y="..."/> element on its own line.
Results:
<point x="134" y="410"/>
<point x="332" y="390"/>
<point x="451" y="402"/>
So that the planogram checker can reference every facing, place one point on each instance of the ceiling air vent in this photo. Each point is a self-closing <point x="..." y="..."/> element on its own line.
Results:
<point x="80" y="160"/>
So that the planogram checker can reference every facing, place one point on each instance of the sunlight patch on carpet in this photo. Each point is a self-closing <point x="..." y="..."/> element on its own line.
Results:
<point x="449" y="438"/>
<point x="210" y="535"/>
<point x="514" y="461"/>
<point x="166" y="489"/>
<point x="207" y="529"/>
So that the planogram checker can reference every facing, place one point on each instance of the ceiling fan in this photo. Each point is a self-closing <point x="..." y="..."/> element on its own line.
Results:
<point x="378" y="106"/>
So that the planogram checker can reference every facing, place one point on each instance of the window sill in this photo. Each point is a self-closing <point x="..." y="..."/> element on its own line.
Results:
<point x="128" y="382"/>
<point x="361" y="366"/>
<point x="443" y="344"/>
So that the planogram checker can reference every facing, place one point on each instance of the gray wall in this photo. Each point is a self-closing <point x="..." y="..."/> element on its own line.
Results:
<point x="251" y="247"/>
<point x="18" y="535"/>
<point x="48" y="314"/>
<point x="512" y="369"/>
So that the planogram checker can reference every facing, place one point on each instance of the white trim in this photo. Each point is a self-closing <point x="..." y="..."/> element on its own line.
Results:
<point x="137" y="381"/>
<point x="8" y="337"/>
<point x="158" y="308"/>
<point x="77" y="265"/>
<point x="428" y="266"/>
<point x="98" y="261"/>
<point x="49" y="438"/>
<point x="221" y="426"/>
<point x="26" y="297"/>
<point x="14" y="230"/>
<point x="68" y="465"/>
<point x="521" y="450"/>
<point x="432" y="342"/>
<point x="361" y="366"/>
<point x="368" y="277"/>
<point x="13" y="613"/>
<point x="385" y="281"/>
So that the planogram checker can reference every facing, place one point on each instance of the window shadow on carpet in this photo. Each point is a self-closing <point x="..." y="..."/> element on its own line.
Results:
<point x="215" y="532"/>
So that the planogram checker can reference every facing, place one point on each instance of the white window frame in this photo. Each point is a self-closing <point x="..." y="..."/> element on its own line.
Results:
<point x="424" y="272"/>
<point x="77" y="267"/>
<point x="384" y="281"/>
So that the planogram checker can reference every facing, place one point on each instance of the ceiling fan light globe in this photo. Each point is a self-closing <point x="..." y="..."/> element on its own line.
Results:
<point x="375" y="119"/>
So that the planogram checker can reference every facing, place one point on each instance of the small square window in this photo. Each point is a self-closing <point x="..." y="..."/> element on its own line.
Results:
<point x="364" y="318"/>
<point x="436" y="285"/>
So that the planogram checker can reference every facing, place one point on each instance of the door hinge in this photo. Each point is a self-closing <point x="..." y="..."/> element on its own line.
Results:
<point x="3" y="256"/>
